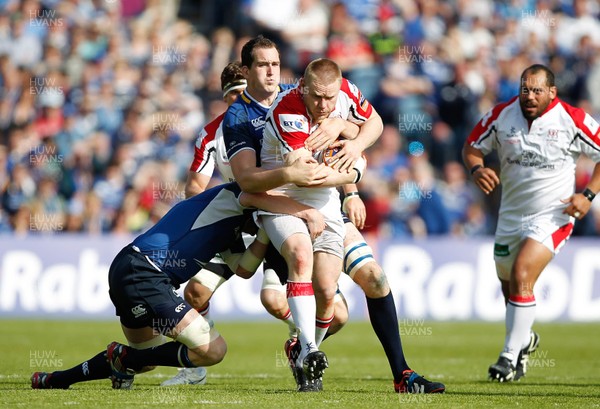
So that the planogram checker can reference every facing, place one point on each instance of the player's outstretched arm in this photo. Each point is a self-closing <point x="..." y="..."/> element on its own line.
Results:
<point x="253" y="256"/>
<point x="253" y="179"/>
<point x="195" y="183"/>
<point x="277" y="203"/>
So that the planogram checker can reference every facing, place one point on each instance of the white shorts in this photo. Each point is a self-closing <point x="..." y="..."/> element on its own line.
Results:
<point x="550" y="231"/>
<point x="280" y="227"/>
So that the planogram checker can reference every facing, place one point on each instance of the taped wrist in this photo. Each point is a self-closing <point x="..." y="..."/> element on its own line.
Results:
<point x="262" y="237"/>
<point x="359" y="167"/>
<point x="349" y="196"/>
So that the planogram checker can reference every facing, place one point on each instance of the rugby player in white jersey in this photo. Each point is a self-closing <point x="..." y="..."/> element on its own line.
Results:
<point x="293" y="122"/>
<point x="538" y="139"/>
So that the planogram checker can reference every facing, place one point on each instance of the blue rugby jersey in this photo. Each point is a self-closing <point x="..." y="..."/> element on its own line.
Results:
<point x="194" y="231"/>
<point x="244" y="123"/>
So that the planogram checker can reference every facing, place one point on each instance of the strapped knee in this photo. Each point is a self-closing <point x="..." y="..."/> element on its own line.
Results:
<point x="210" y="279"/>
<point x="271" y="281"/>
<point x="198" y="332"/>
<point x="356" y="255"/>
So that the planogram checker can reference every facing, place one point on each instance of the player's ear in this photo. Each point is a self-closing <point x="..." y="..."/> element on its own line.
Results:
<point x="245" y="71"/>
<point x="553" y="92"/>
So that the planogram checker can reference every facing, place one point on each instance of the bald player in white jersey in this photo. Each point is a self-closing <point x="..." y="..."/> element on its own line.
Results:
<point x="538" y="139"/>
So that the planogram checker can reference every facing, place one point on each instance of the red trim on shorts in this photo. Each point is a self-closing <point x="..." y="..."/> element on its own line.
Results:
<point x="561" y="235"/>
<point x="522" y="299"/>
<point x="296" y="289"/>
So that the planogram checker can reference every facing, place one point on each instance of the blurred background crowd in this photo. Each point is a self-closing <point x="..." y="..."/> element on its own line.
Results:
<point x="101" y="100"/>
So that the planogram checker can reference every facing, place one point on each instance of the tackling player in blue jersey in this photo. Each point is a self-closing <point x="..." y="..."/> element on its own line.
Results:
<point x="144" y="276"/>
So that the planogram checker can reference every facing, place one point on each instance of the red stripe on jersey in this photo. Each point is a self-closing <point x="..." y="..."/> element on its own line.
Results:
<point x="484" y="123"/>
<point x="362" y="106"/>
<point x="296" y="289"/>
<point x="578" y="117"/>
<point x="522" y="299"/>
<point x="206" y="135"/>
<point x="561" y="235"/>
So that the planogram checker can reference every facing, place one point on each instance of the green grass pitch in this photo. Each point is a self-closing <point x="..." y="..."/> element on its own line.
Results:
<point x="564" y="372"/>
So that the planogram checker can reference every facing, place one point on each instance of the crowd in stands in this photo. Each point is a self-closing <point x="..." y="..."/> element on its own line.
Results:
<point x="101" y="100"/>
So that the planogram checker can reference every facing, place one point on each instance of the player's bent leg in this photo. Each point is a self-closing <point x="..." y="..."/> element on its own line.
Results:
<point x="198" y="292"/>
<point x="197" y="344"/>
<point x="96" y="367"/>
<point x="151" y="343"/>
<point x="121" y="376"/>
<point x="205" y="345"/>
<point x="372" y="280"/>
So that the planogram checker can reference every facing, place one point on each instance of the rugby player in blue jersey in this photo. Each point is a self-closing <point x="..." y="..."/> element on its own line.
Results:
<point x="144" y="276"/>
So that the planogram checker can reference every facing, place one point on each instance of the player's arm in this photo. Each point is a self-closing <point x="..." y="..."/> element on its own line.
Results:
<point x="277" y="203"/>
<point x="243" y="162"/>
<point x="203" y="164"/>
<point x="249" y="261"/>
<point x="480" y="142"/>
<point x="580" y="203"/>
<point x="587" y="142"/>
<point x="245" y="264"/>
<point x="351" y="150"/>
<point x="253" y="179"/>
<point x="333" y="177"/>
<point x="485" y="178"/>
<point x="196" y="183"/>
<point x="353" y="206"/>
<point x="329" y="130"/>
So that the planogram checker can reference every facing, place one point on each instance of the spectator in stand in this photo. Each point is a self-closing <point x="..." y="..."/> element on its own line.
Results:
<point x="352" y="52"/>
<point x="122" y="69"/>
<point x="307" y="34"/>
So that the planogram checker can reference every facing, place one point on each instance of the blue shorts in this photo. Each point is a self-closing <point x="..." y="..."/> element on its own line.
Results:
<point x="142" y="295"/>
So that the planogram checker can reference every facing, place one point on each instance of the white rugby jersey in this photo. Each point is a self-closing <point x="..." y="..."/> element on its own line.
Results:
<point x="210" y="150"/>
<point x="537" y="159"/>
<point x="287" y="128"/>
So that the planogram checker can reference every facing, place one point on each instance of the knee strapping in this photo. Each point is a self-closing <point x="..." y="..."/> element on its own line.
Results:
<point x="271" y="281"/>
<point x="356" y="255"/>
<point x="209" y="279"/>
<point x="198" y="332"/>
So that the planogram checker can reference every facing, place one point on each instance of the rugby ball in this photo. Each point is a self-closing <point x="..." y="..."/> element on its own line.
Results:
<point x="329" y="156"/>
